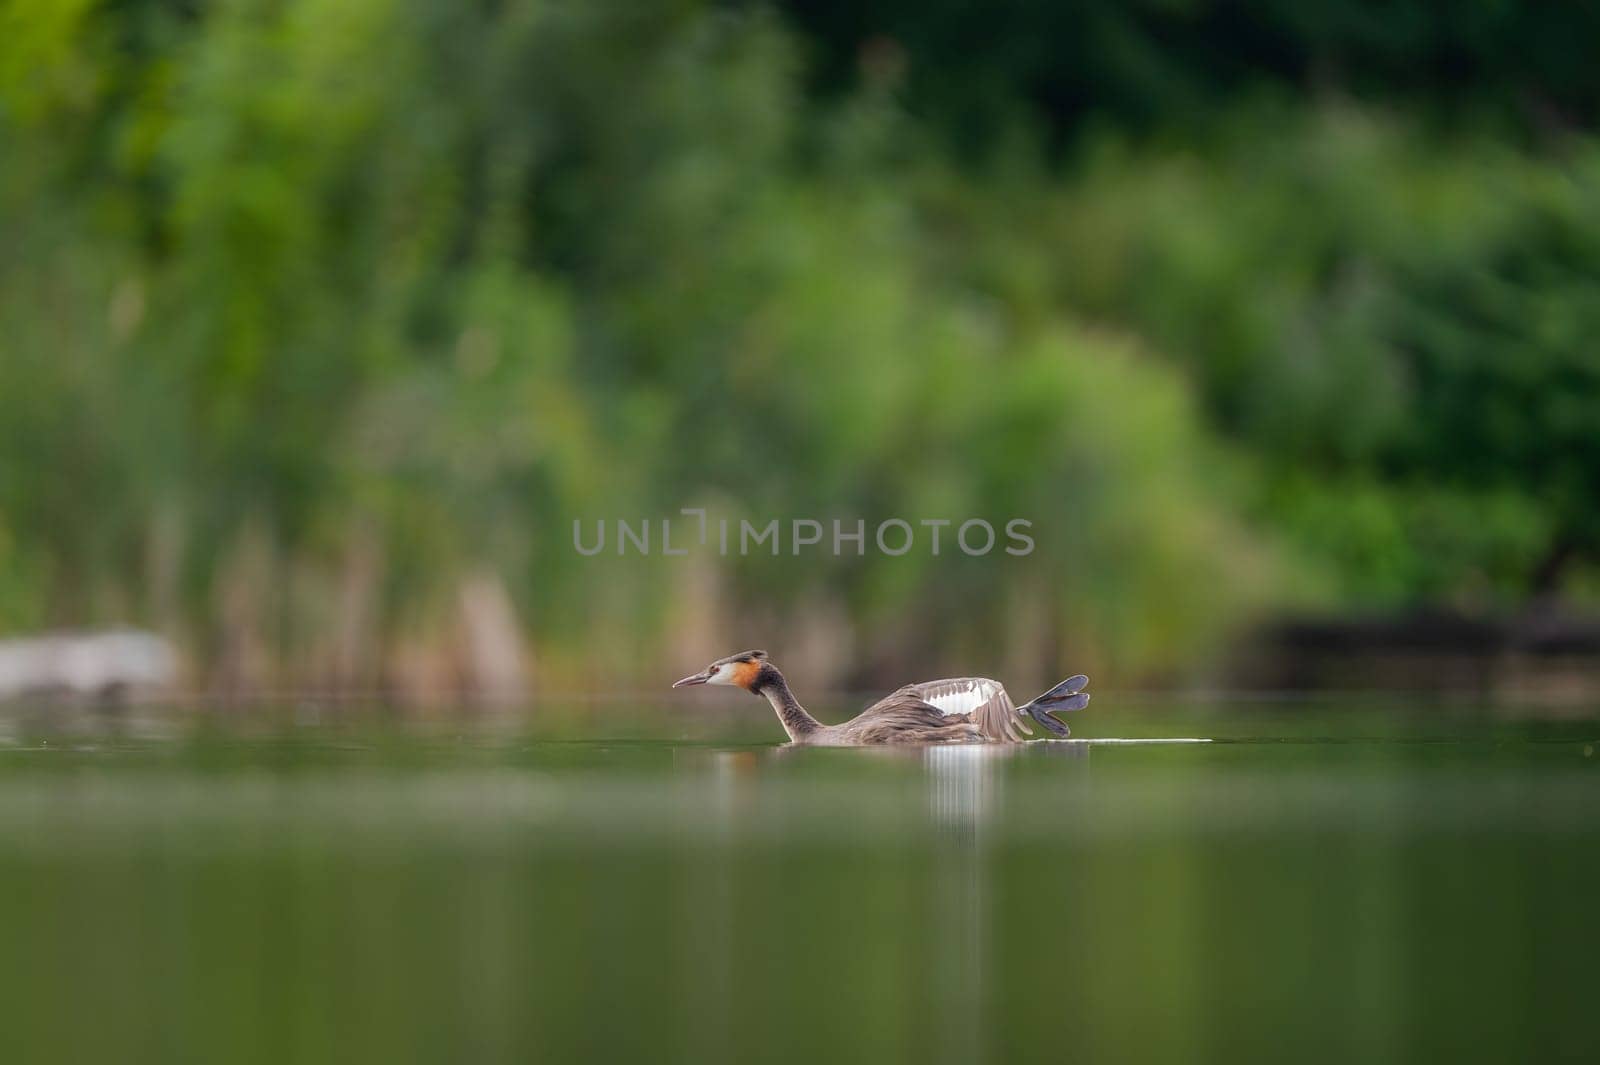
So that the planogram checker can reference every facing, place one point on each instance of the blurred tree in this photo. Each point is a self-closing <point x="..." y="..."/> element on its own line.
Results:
<point x="975" y="69"/>
<point x="316" y="311"/>
<point x="1383" y="326"/>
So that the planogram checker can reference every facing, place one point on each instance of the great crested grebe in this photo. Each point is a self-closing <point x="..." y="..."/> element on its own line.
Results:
<point x="957" y="710"/>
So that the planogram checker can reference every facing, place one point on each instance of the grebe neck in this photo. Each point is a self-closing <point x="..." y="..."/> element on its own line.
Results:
<point x="796" y="722"/>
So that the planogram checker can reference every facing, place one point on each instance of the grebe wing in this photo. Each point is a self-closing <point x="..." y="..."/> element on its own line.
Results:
<point x="903" y="716"/>
<point x="983" y="700"/>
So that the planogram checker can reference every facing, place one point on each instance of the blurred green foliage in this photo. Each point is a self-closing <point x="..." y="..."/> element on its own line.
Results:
<point x="1056" y="66"/>
<point x="1397" y="329"/>
<point x="292" y="284"/>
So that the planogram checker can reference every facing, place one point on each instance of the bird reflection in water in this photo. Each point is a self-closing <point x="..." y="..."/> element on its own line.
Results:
<point x="966" y="793"/>
<point x="739" y="810"/>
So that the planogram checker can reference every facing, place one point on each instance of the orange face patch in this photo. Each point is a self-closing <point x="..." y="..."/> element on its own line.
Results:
<point x="744" y="673"/>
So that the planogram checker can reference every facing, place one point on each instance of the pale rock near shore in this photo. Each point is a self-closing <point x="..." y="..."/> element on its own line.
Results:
<point x="87" y="664"/>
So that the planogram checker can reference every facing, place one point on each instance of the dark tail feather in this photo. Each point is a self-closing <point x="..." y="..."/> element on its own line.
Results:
<point x="1068" y="695"/>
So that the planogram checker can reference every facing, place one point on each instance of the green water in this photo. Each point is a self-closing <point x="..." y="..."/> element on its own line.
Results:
<point x="1315" y="888"/>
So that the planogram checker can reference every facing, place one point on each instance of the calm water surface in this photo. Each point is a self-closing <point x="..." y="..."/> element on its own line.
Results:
<point x="1311" y="887"/>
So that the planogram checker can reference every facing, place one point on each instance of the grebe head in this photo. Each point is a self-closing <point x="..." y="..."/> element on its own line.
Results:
<point x="743" y="669"/>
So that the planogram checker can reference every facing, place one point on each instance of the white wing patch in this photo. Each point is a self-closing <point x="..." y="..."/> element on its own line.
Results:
<point x="981" y="699"/>
<point x="961" y="696"/>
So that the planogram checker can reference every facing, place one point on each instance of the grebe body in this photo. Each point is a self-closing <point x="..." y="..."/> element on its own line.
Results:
<point x="954" y="710"/>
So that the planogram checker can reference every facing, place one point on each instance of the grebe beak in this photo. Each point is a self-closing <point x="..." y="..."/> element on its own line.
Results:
<point x="698" y="678"/>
